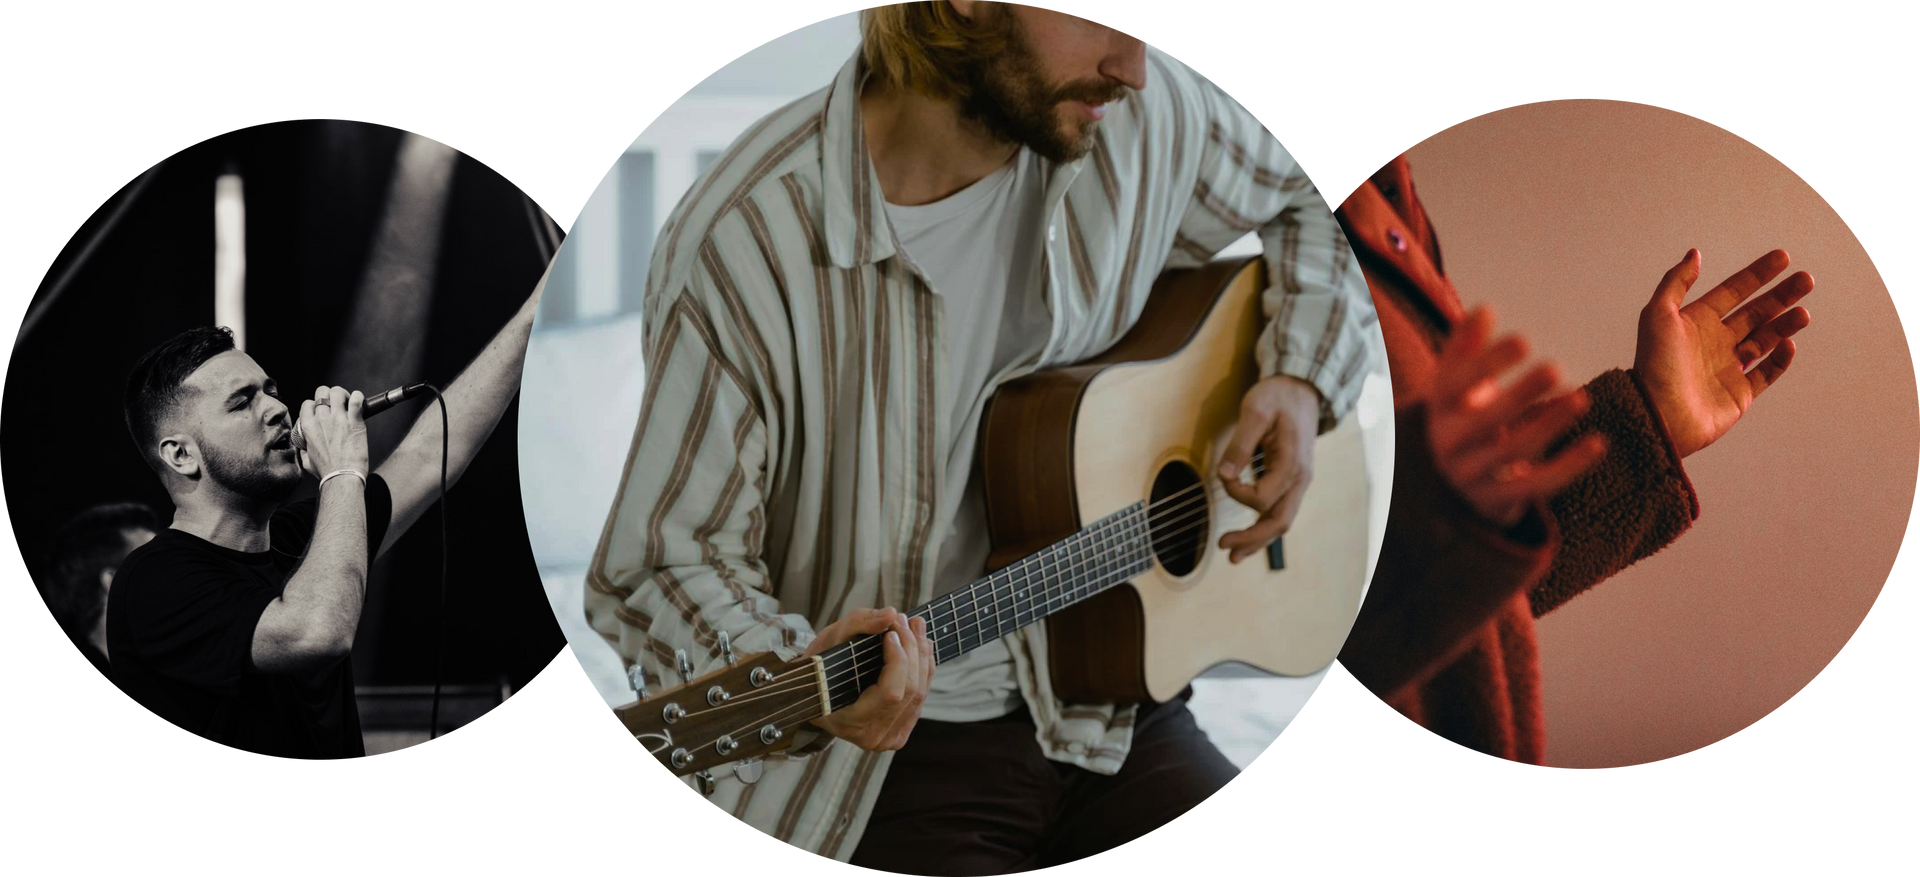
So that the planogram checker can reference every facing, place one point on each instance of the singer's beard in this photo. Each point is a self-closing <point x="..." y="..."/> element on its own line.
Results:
<point x="1009" y="96"/>
<point x="255" y="479"/>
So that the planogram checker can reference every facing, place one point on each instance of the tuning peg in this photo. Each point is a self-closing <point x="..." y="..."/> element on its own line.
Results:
<point x="748" y="770"/>
<point x="686" y="666"/>
<point x="726" y="649"/>
<point x="637" y="677"/>
<point x="703" y="780"/>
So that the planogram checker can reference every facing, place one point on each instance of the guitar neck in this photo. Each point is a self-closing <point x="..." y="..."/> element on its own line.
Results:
<point x="1112" y="550"/>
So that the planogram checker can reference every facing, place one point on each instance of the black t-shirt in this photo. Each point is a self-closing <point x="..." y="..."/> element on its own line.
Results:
<point x="180" y="620"/>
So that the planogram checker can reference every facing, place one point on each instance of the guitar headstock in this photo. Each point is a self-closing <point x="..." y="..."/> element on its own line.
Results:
<point x="744" y="710"/>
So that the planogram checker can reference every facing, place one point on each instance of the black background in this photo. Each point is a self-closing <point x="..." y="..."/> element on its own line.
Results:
<point x="1343" y="96"/>
<point x="314" y="192"/>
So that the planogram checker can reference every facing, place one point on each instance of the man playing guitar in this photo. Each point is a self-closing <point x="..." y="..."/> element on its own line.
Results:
<point x="984" y="190"/>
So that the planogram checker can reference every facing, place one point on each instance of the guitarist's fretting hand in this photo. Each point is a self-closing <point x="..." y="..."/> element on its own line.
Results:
<point x="885" y="713"/>
<point x="1282" y="415"/>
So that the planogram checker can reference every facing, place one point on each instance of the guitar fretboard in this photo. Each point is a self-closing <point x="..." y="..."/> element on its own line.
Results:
<point x="1112" y="550"/>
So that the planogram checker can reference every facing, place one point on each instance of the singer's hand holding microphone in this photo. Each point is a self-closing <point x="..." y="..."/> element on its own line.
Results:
<point x="336" y="401"/>
<point x="332" y="433"/>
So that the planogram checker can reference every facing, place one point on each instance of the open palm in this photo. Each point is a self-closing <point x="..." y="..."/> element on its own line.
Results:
<point x="1704" y="363"/>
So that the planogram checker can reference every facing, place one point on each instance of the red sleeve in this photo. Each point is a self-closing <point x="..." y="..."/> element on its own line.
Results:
<point x="1443" y="571"/>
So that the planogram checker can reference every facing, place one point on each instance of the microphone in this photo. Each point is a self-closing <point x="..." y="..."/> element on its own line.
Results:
<point x="368" y="408"/>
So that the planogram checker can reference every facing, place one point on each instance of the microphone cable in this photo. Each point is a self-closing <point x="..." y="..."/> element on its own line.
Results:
<point x="440" y="657"/>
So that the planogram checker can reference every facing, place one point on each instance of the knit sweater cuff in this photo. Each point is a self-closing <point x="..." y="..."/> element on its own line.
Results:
<point x="1634" y="502"/>
<point x="1659" y="427"/>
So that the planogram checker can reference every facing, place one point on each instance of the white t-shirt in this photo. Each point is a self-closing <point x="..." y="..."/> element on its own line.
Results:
<point x="980" y="249"/>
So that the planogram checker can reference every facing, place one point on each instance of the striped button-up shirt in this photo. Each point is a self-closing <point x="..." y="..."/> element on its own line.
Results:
<point x="793" y="458"/>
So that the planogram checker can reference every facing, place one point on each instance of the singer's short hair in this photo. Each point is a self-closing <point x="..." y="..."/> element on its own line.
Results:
<point x="926" y="47"/>
<point x="153" y="386"/>
<point x="90" y="542"/>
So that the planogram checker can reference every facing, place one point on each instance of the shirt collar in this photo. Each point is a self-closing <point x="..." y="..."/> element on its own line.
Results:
<point x="857" y="229"/>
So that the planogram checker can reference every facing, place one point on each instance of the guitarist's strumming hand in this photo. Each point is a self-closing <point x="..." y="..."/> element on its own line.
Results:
<point x="885" y="713"/>
<point x="1489" y="441"/>
<point x="1281" y="415"/>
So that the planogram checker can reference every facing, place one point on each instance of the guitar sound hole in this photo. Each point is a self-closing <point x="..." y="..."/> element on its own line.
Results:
<point x="1180" y="517"/>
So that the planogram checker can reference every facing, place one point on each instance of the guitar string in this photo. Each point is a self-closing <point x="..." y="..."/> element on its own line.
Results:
<point x="1161" y="505"/>
<point x="978" y="620"/>
<point x="1183" y="512"/>
<point x="754" y="694"/>
<point x="864" y="648"/>
<point x="847" y="664"/>
<point x="976" y="623"/>
<point x="1162" y="545"/>
<point x="858" y="650"/>
<point x="1165" y="509"/>
<point x="761" y="695"/>
<point x="802" y="712"/>
<point x="781" y="683"/>
<point x="785" y="716"/>
<point x="777" y="719"/>
<point x="855" y="651"/>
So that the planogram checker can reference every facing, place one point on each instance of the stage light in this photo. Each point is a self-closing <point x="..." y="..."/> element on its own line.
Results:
<point x="229" y="256"/>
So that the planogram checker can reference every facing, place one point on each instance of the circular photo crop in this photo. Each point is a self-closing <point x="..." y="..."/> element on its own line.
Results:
<point x="1656" y="425"/>
<point x="194" y="473"/>
<point x="958" y="432"/>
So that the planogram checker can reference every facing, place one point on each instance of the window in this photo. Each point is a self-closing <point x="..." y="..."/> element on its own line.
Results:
<point x="602" y="271"/>
<point x="557" y="303"/>
<point x="635" y="223"/>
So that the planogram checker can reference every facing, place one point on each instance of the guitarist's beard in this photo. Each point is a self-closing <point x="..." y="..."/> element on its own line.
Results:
<point x="1009" y="96"/>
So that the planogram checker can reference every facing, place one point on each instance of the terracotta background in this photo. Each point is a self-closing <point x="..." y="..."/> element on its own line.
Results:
<point x="1563" y="216"/>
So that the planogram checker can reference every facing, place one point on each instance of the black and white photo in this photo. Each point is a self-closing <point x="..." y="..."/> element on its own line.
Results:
<point x="210" y="514"/>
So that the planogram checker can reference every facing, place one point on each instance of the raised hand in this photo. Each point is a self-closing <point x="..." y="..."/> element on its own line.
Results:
<point x="1489" y="440"/>
<point x="1701" y="365"/>
<point x="1282" y="415"/>
<point x="886" y="712"/>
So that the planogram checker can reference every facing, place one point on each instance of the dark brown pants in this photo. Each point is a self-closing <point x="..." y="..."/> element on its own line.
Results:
<point x="979" y="798"/>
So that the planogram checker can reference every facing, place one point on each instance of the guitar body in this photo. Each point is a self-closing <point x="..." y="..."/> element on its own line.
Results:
<point x="1146" y="419"/>
<point x="1104" y="514"/>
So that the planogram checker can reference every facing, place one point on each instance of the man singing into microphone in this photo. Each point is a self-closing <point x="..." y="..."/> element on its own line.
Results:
<point x="236" y="622"/>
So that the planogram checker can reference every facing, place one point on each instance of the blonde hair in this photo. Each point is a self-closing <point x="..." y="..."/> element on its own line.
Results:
<point x="924" y="46"/>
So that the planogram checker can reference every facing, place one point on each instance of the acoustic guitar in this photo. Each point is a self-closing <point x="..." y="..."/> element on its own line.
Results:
<point x="1105" y="516"/>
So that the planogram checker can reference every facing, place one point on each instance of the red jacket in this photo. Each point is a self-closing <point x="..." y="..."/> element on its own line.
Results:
<point x="1446" y="632"/>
